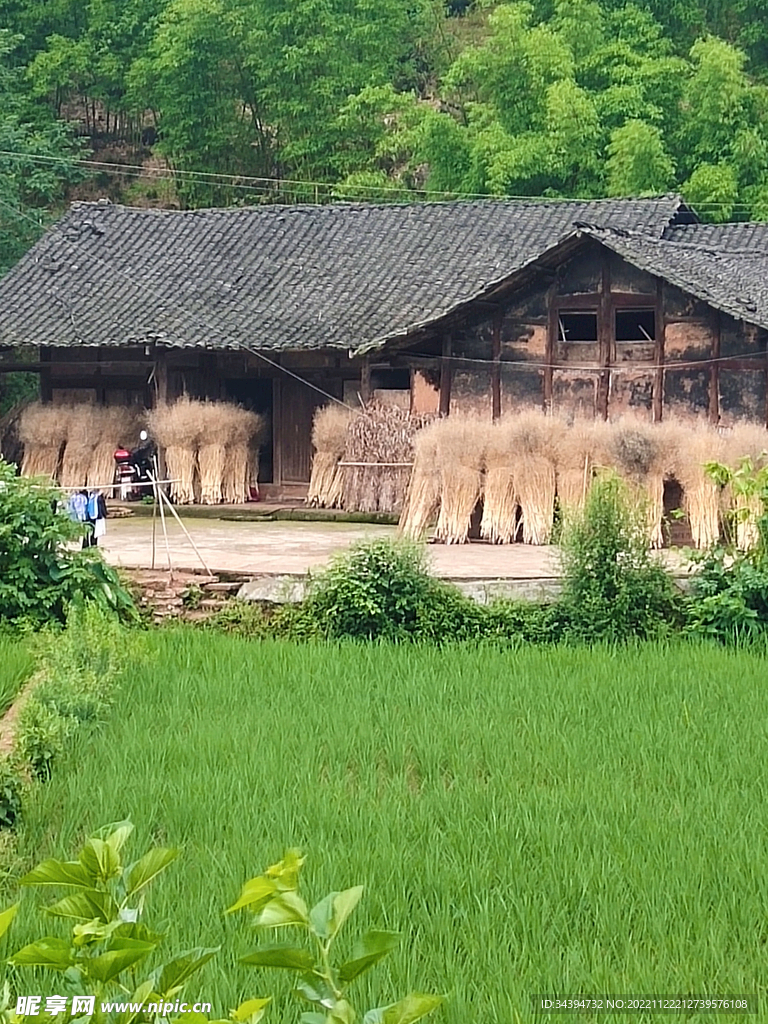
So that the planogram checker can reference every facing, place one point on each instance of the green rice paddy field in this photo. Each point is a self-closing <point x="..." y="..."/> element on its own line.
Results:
<point x="535" y="821"/>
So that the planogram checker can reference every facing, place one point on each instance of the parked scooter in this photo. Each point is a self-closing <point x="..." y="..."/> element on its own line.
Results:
<point x="134" y="469"/>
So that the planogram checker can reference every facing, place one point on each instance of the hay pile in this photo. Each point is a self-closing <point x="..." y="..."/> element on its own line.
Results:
<point x="381" y="437"/>
<point x="746" y="441"/>
<point x="241" y="468"/>
<point x="699" y="444"/>
<point x="535" y="439"/>
<point x="460" y="455"/>
<point x="215" y="427"/>
<point x="636" y="450"/>
<point x="329" y="432"/>
<point x="423" y="497"/>
<point x="499" y="523"/>
<point x="579" y="449"/>
<point x="43" y="432"/>
<point x="176" y="428"/>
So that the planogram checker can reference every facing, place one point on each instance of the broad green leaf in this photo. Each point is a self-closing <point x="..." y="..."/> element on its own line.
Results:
<point x="49" y="952"/>
<point x="57" y="872"/>
<point x="169" y="977"/>
<point x="87" y="905"/>
<point x="316" y="990"/>
<point x="6" y="918"/>
<point x="280" y="956"/>
<point x="136" y="930"/>
<point x="251" y="1011"/>
<point x="286" y="909"/>
<point x="100" y="859"/>
<point x="115" y="834"/>
<point x="151" y="864"/>
<point x="255" y="891"/>
<point x="342" y="1013"/>
<point x="285" y="873"/>
<point x="367" y="951"/>
<point x="310" y="1017"/>
<point x="139" y="997"/>
<point x="330" y="913"/>
<point x="407" y="1011"/>
<point x="108" y="965"/>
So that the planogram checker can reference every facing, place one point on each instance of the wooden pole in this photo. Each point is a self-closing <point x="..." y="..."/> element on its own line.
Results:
<point x="714" y="371"/>
<point x="153" y="478"/>
<point x="658" y="354"/>
<point x="445" y="376"/>
<point x="496" y="368"/>
<point x="164" y="498"/>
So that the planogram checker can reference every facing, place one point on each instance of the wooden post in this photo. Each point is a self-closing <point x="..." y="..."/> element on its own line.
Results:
<point x="550" y="348"/>
<point x="445" y="376"/>
<point x="658" y="354"/>
<point x="714" y="371"/>
<point x="46" y="391"/>
<point x="496" y="368"/>
<point x="605" y="340"/>
<point x="365" y="381"/>
<point x="161" y="377"/>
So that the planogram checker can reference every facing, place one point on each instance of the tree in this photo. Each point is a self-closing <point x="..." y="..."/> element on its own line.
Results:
<point x="638" y="163"/>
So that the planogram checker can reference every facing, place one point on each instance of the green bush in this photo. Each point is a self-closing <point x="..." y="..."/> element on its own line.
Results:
<point x="10" y="794"/>
<point x="613" y="587"/>
<point x="41" y="574"/>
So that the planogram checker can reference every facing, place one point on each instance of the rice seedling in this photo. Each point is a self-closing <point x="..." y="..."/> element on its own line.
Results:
<point x="534" y="439"/>
<point x="460" y="444"/>
<point x="561" y="811"/>
<point x="16" y="666"/>
<point x="746" y="441"/>
<point x="423" y="496"/>
<point x="499" y="520"/>
<point x="43" y="432"/>
<point x="329" y="430"/>
<point x="636" y="450"/>
<point x="177" y="428"/>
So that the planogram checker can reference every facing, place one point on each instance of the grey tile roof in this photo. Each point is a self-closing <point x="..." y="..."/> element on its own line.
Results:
<point x="746" y="235"/>
<point x="280" y="277"/>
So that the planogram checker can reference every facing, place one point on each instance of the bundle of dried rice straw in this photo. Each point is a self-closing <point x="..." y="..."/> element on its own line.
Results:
<point x="114" y="426"/>
<point x="578" y="451"/>
<point x="746" y="441"/>
<point x="534" y="439"/>
<point x="460" y="458"/>
<point x="241" y="470"/>
<point x="329" y="430"/>
<point x="636" y="450"/>
<point x="499" y="502"/>
<point x="176" y="428"/>
<point x="423" y="497"/>
<point x="43" y="432"/>
<point x="82" y="437"/>
<point x="699" y="445"/>
<point x="216" y="424"/>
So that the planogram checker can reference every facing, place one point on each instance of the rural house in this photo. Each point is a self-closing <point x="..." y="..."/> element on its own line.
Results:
<point x="579" y="306"/>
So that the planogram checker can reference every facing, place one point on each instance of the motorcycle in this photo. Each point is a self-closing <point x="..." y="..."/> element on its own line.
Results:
<point x="134" y="469"/>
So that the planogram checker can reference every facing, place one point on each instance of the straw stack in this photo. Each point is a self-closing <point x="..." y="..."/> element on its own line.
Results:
<point x="82" y="437"/>
<point x="241" y="469"/>
<point x="534" y="439"/>
<point x="216" y="422"/>
<point x="746" y="441"/>
<point x="636" y="451"/>
<point x="43" y="432"/>
<point x="379" y="446"/>
<point x="113" y="426"/>
<point x="329" y="430"/>
<point x="699" y="445"/>
<point x="460" y="457"/>
<point x="577" y="453"/>
<point x="423" y="497"/>
<point x="499" y="502"/>
<point x="177" y="429"/>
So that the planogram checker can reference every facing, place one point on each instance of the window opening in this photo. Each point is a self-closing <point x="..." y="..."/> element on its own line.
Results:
<point x="635" y="325"/>
<point x="577" y="326"/>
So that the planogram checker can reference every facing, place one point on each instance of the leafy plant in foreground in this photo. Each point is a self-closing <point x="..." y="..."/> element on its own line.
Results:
<point x="274" y="900"/>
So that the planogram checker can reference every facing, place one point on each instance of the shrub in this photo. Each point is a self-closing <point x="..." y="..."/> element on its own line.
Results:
<point x="10" y="794"/>
<point x="613" y="588"/>
<point x="40" y="575"/>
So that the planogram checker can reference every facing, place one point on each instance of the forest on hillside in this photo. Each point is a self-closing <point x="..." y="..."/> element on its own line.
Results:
<point x="246" y="101"/>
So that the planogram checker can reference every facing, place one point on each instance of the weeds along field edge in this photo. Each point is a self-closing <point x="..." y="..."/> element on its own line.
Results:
<point x="533" y="821"/>
<point x="16" y="665"/>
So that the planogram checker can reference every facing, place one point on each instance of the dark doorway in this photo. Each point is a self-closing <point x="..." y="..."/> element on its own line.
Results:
<point x="256" y="395"/>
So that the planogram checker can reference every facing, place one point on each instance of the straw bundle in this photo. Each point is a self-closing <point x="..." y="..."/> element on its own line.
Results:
<point x="636" y="451"/>
<point x="241" y="470"/>
<point x="423" y="497"/>
<point x="43" y="432"/>
<point x="329" y="429"/>
<point x="499" y="503"/>
<point x="746" y="441"/>
<point x="534" y="440"/>
<point x="216" y="424"/>
<point x="577" y="453"/>
<point x="82" y="436"/>
<point x="699" y="445"/>
<point x="460" y="455"/>
<point x="113" y="426"/>
<point x="177" y="429"/>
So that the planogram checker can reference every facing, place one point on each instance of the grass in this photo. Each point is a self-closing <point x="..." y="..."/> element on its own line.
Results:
<point x="533" y="821"/>
<point x="16" y="664"/>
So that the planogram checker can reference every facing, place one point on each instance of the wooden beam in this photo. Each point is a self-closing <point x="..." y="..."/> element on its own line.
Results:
<point x="605" y="341"/>
<point x="551" y="347"/>
<point x="46" y="391"/>
<point x="714" y="370"/>
<point x="445" y="376"/>
<point x="22" y="367"/>
<point x="496" y="368"/>
<point x="277" y="432"/>
<point x="161" y="377"/>
<point x="658" y="354"/>
<point x="365" y="381"/>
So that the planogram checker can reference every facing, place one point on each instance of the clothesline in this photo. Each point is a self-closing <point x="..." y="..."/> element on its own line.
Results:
<point x="111" y="486"/>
